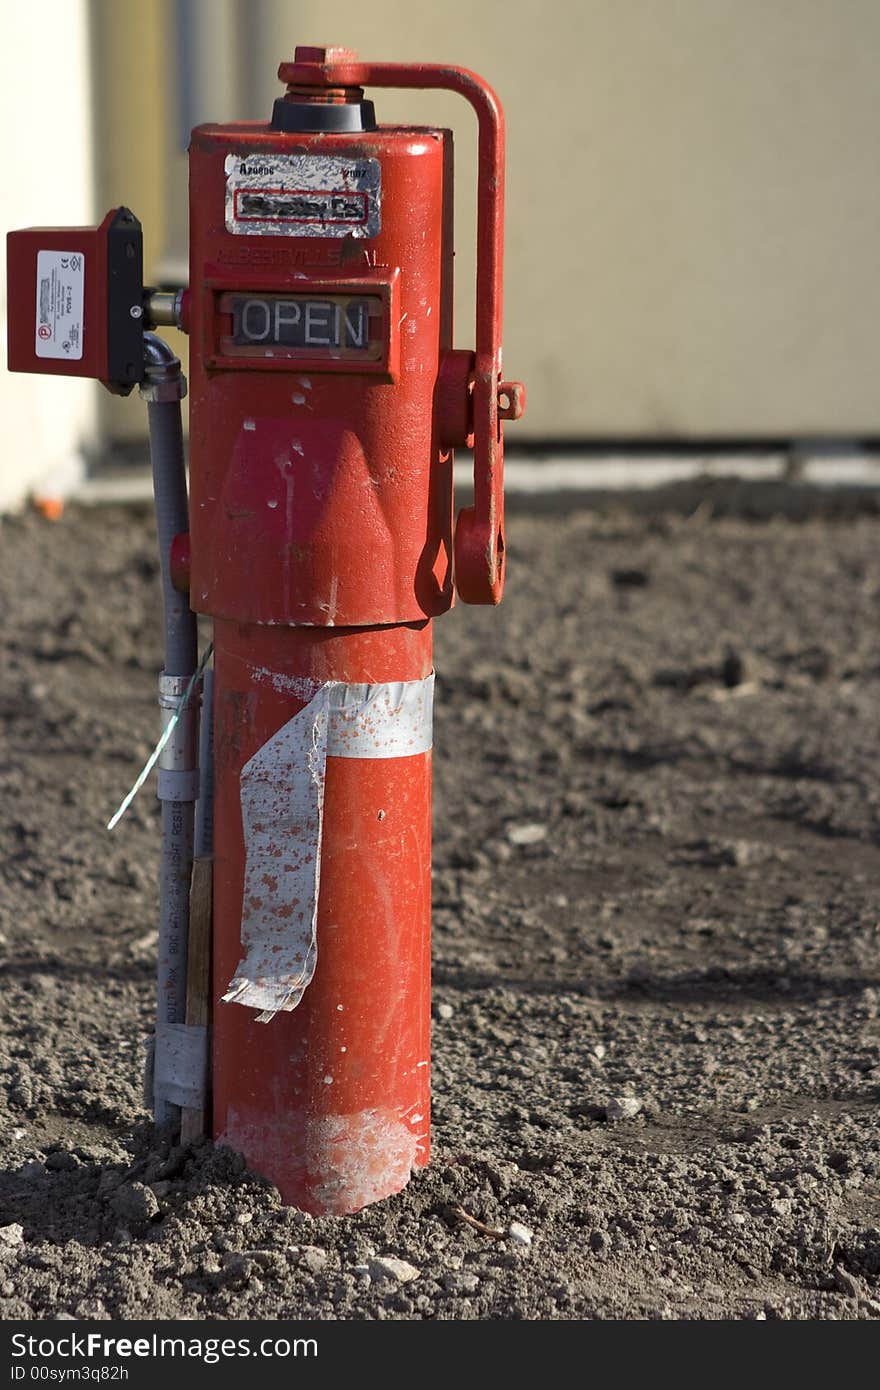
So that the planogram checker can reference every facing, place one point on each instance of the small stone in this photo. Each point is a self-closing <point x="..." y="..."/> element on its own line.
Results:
<point x="782" y="1206"/>
<point x="519" y="1234"/>
<point x="19" y="1133"/>
<point x="314" y="1258"/>
<point x="343" y="1289"/>
<point x="531" y="833"/>
<point x="61" y="1162"/>
<point x="457" y="1282"/>
<point x="630" y="578"/>
<point x="445" y="1011"/>
<point x="7" y="1288"/>
<point x="733" y="668"/>
<point x="622" y="1108"/>
<point x="847" y="1283"/>
<point x="743" y="853"/>
<point x="599" y="1051"/>
<point x="92" y="1309"/>
<point x="238" y="1269"/>
<point x="108" y="1182"/>
<point x="134" y="1202"/>
<point x="390" y="1270"/>
<point x="12" y="1236"/>
<point x="244" y="1218"/>
<point x="399" y="1303"/>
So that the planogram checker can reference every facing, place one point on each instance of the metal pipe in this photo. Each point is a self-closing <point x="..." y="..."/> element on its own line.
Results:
<point x="198" y="966"/>
<point x="163" y="307"/>
<point x="163" y="389"/>
<point x="204" y="835"/>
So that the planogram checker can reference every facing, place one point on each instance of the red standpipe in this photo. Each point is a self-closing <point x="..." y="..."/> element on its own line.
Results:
<point x="325" y="399"/>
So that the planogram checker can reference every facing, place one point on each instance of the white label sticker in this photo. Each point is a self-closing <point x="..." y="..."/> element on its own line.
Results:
<point x="59" y="326"/>
<point x="302" y="195"/>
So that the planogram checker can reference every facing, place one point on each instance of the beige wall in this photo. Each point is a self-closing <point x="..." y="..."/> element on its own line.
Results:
<point x="693" y="190"/>
<point x="49" y="422"/>
<point x="133" y="90"/>
<point x="693" y="200"/>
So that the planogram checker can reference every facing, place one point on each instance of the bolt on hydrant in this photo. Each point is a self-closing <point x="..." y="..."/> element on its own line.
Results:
<point x="326" y="399"/>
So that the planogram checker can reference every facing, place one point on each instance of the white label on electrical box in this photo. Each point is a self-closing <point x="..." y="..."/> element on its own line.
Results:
<point x="303" y="195"/>
<point x="59" y="327"/>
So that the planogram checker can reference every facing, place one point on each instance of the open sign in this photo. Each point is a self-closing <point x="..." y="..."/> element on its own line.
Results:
<point x="338" y="325"/>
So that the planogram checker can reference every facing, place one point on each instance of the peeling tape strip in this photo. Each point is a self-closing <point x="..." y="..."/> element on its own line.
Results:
<point x="282" y="806"/>
<point x="181" y="1064"/>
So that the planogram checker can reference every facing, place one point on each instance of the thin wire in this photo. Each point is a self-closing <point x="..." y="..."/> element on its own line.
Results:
<point x="166" y="734"/>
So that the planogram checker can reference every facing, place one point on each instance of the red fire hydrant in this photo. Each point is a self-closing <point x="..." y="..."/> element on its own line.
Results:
<point x="325" y="401"/>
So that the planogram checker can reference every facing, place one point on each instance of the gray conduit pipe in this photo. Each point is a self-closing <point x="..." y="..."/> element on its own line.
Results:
<point x="204" y="839"/>
<point x="163" y="389"/>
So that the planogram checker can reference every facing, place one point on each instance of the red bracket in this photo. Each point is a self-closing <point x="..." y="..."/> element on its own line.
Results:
<point x="479" y="532"/>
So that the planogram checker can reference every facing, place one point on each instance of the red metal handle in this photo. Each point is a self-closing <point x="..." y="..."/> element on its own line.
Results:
<point x="479" y="532"/>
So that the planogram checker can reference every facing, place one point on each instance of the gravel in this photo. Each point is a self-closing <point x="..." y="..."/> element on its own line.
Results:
<point x="687" y="710"/>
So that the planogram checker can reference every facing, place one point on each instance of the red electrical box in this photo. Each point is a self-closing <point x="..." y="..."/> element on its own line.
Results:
<point x="76" y="301"/>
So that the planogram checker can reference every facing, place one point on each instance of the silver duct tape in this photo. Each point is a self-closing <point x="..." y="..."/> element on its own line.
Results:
<point x="171" y="688"/>
<point x="180" y="752"/>
<point x="282" y="807"/>
<point x="394" y="720"/>
<point x="390" y="720"/>
<point x="174" y="785"/>
<point x="180" y="1065"/>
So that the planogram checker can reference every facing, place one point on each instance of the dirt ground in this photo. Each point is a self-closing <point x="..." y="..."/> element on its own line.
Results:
<point x="657" y="952"/>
